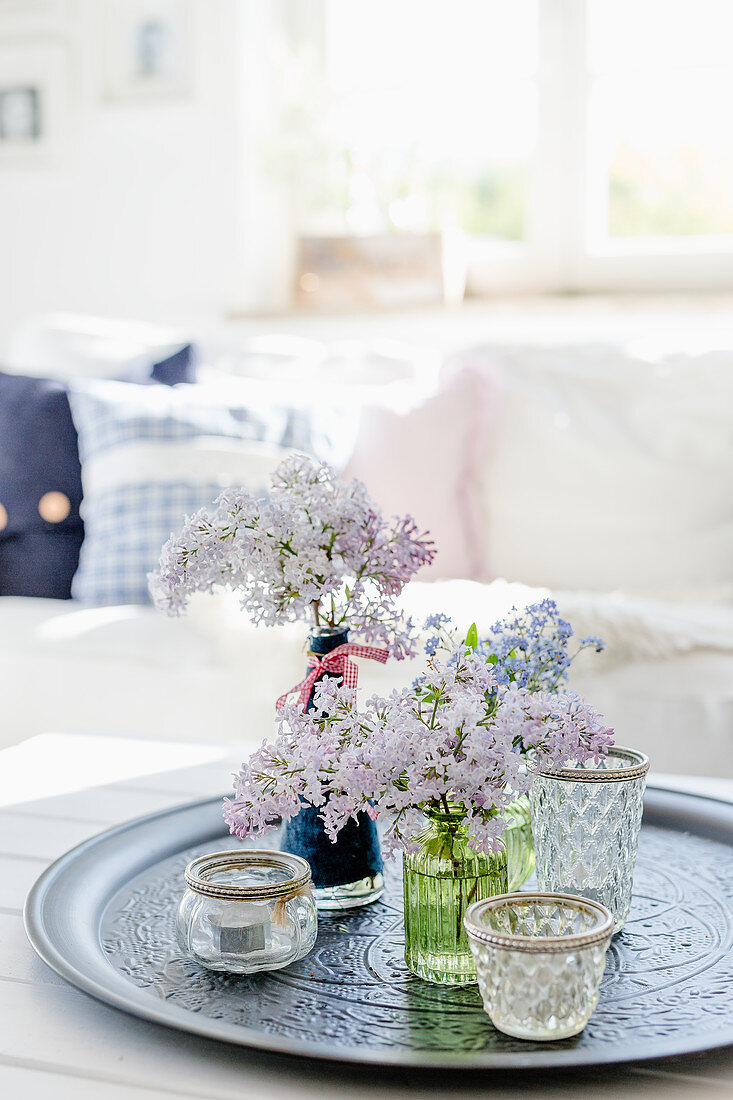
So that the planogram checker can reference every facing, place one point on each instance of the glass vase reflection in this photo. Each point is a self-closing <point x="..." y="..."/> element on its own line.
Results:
<point x="518" y="842"/>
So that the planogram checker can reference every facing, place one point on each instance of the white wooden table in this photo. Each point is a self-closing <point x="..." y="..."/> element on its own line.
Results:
<point x="56" y="1042"/>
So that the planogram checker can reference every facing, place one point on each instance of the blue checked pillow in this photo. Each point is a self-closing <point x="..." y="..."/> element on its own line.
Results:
<point x="151" y="455"/>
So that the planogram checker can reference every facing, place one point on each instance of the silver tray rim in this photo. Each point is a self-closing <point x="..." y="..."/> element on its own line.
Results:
<point x="66" y="879"/>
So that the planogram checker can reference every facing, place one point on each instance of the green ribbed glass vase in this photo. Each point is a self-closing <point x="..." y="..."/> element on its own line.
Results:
<point x="440" y="881"/>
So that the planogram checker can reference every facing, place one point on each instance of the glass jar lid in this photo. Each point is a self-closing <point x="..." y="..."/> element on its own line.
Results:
<point x="252" y="874"/>
<point x="539" y="922"/>
<point x="616" y="766"/>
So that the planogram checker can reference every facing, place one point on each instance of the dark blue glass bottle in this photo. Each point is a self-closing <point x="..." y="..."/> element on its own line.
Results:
<point x="349" y="872"/>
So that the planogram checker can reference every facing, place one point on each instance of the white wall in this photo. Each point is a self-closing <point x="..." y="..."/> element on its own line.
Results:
<point x="136" y="212"/>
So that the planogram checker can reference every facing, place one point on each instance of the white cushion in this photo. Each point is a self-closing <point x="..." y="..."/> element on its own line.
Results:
<point x="132" y="670"/>
<point x="124" y="634"/>
<point x="606" y="471"/>
<point x="68" y="345"/>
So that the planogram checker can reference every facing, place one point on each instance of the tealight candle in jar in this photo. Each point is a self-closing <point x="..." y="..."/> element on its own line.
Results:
<point x="247" y="910"/>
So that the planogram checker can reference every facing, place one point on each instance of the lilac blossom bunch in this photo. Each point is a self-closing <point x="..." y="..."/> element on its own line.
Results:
<point x="530" y="648"/>
<point x="317" y="548"/>
<point x="456" y="742"/>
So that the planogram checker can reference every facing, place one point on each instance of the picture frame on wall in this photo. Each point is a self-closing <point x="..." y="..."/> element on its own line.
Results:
<point x="33" y="101"/>
<point x="145" y="49"/>
<point x="20" y="114"/>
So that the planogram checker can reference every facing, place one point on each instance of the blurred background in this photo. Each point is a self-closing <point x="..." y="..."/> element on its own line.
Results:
<point x="187" y="160"/>
<point x="477" y="253"/>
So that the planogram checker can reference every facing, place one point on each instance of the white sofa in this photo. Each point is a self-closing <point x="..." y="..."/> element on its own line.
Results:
<point x="600" y="476"/>
<point x="665" y="681"/>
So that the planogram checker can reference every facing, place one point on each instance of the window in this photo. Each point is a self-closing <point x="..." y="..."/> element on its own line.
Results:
<point x="661" y="102"/>
<point x="580" y="144"/>
<point x="431" y="112"/>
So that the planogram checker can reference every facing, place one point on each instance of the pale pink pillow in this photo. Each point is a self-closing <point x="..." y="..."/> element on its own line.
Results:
<point x="425" y="462"/>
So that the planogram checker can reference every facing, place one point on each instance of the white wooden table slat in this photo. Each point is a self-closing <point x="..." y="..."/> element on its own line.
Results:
<point x="64" y="1031"/>
<point x="64" y="1028"/>
<point x="102" y="806"/>
<point x="16" y="963"/>
<point x="16" y="1081"/>
<point x="58" y="1043"/>
<point x="189" y="782"/>
<point x="16" y="878"/>
<point x="31" y="835"/>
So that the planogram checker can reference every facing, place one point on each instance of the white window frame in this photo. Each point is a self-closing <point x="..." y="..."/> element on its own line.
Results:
<point x="567" y="194"/>
<point x="567" y="191"/>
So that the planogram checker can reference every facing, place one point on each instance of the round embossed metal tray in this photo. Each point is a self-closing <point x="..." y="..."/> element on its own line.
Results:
<point x="102" y="917"/>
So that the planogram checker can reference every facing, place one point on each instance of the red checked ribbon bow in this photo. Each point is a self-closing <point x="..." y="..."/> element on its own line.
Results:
<point x="335" y="661"/>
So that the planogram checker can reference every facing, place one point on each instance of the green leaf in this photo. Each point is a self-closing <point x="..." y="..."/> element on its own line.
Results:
<point x="492" y="659"/>
<point x="472" y="636"/>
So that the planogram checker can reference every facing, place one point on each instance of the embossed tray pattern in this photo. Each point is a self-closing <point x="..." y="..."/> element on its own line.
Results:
<point x="667" y="989"/>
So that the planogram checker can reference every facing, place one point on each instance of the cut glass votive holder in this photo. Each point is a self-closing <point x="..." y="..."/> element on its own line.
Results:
<point x="585" y="822"/>
<point x="245" y="911"/>
<point x="539" y="960"/>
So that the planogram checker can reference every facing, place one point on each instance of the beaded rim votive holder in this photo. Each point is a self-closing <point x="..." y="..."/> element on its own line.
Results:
<point x="626" y="764"/>
<point x="586" y="821"/>
<point x="539" y="961"/>
<point x="247" y="910"/>
<point x="199" y="873"/>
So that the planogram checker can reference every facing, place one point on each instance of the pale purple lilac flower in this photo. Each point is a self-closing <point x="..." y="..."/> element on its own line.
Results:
<point x="459" y="738"/>
<point x="318" y="548"/>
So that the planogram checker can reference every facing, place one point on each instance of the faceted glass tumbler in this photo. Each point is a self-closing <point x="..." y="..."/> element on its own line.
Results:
<point x="539" y="960"/>
<point x="585" y="822"/>
<point x="440" y="881"/>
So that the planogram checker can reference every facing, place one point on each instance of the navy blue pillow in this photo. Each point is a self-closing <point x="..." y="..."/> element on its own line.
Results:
<point x="38" y="456"/>
<point x="176" y="368"/>
<point x="41" y="531"/>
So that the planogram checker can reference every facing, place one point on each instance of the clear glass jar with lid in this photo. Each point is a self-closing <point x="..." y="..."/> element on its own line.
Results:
<point x="247" y="910"/>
